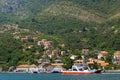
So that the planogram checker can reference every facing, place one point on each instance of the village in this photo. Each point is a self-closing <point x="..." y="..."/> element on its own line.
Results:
<point x="46" y="66"/>
<point x="52" y="58"/>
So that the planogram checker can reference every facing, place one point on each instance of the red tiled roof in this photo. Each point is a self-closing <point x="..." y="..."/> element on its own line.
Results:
<point x="117" y="53"/>
<point x="103" y="52"/>
<point x="23" y="66"/>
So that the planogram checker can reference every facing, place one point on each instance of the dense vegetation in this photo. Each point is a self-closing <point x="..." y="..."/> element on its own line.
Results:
<point x="79" y="24"/>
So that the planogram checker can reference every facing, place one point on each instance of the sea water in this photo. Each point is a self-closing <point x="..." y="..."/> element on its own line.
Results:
<point x="54" y="76"/>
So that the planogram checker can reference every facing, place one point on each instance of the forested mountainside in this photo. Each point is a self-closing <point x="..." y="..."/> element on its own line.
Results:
<point x="90" y="22"/>
<point x="93" y="24"/>
<point x="82" y="19"/>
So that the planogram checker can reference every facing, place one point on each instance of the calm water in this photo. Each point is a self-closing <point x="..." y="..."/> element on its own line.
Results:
<point x="104" y="76"/>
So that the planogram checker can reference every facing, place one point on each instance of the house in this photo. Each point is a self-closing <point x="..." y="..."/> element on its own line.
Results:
<point x="26" y="68"/>
<point x="102" y="63"/>
<point x="39" y="43"/>
<point x="54" y="53"/>
<point x="116" y="58"/>
<point x="62" y="45"/>
<point x="49" y="53"/>
<point x="57" y="64"/>
<point x="102" y="54"/>
<point x="91" y="62"/>
<point x="85" y="51"/>
<point x="99" y="62"/>
<point x="43" y="40"/>
<point x="45" y="43"/>
<point x="73" y="57"/>
<point x="62" y="52"/>
<point x="47" y="67"/>
<point x="58" y="61"/>
<point x="39" y="61"/>
<point x="24" y="39"/>
<point x="35" y="39"/>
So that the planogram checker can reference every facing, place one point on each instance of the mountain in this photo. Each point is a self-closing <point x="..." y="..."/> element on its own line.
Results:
<point x="76" y="24"/>
<point x="81" y="23"/>
<point x="21" y="9"/>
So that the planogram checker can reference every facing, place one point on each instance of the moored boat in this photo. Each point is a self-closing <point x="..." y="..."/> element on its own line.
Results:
<point x="80" y="69"/>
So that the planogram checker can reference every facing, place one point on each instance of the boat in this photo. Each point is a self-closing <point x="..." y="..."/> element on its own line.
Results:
<point x="80" y="69"/>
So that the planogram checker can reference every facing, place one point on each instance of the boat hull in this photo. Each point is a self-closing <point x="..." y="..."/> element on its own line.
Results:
<point x="76" y="72"/>
<point x="98" y="71"/>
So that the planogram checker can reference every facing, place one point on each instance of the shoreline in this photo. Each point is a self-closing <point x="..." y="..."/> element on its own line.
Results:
<point x="112" y="70"/>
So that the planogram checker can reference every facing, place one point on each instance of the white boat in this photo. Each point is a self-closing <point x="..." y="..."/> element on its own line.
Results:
<point x="81" y="69"/>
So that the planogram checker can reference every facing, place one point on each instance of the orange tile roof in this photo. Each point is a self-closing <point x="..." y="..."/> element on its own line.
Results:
<point x="90" y="62"/>
<point x="117" y="53"/>
<point x="57" y="64"/>
<point x="103" y="52"/>
<point x="33" y="65"/>
<point x="104" y="64"/>
<point x="26" y="65"/>
<point x="23" y="66"/>
<point x="100" y="61"/>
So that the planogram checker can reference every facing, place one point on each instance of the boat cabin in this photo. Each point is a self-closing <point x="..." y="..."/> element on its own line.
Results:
<point x="80" y="67"/>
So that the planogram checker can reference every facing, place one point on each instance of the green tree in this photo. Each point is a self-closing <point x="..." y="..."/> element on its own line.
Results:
<point x="68" y="62"/>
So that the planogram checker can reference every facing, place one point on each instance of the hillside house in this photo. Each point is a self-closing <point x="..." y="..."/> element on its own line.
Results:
<point x="58" y="61"/>
<point x="45" y="43"/>
<point x="102" y="63"/>
<point x="39" y="61"/>
<point x="45" y="61"/>
<point x="55" y="54"/>
<point x="85" y="51"/>
<point x="102" y="54"/>
<point x="73" y="57"/>
<point x="62" y="45"/>
<point x="39" y="43"/>
<point x="47" y="66"/>
<point x="35" y="39"/>
<point x="48" y="52"/>
<point x="62" y="52"/>
<point x="24" y="39"/>
<point x="116" y="58"/>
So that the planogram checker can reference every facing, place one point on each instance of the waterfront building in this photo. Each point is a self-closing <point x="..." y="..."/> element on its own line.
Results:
<point x="116" y="58"/>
